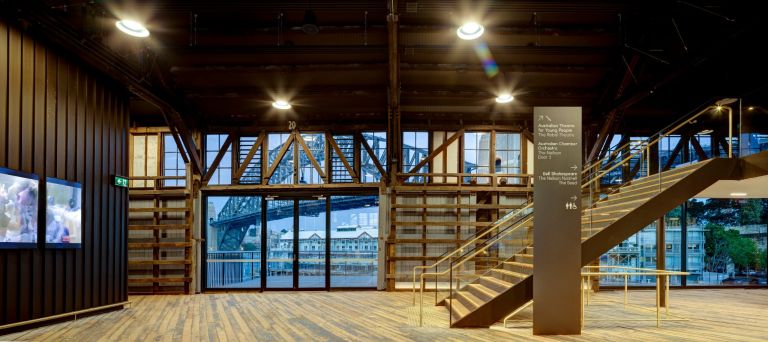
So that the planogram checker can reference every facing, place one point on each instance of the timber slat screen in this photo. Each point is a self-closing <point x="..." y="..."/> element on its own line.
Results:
<point x="60" y="120"/>
<point x="160" y="216"/>
<point x="426" y="224"/>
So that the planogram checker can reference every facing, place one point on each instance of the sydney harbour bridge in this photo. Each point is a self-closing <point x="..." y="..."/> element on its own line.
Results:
<point x="241" y="212"/>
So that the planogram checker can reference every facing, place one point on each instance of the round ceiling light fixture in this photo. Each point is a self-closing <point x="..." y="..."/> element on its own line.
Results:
<point x="132" y="28"/>
<point x="310" y="23"/>
<point x="280" y="104"/>
<point x="505" y="98"/>
<point x="470" y="30"/>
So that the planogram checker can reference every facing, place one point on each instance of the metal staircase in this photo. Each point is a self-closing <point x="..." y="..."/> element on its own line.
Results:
<point x="484" y="282"/>
<point x="509" y="282"/>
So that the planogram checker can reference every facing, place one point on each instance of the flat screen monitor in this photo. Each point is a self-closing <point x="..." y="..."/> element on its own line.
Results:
<point x="63" y="214"/>
<point x="18" y="209"/>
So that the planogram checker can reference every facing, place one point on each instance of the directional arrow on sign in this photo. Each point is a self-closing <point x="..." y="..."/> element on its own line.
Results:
<point x="573" y="198"/>
<point x="574" y="167"/>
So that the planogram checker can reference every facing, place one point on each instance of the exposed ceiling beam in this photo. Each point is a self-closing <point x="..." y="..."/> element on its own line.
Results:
<point x="504" y="50"/>
<point x="453" y="67"/>
<point x="394" y="155"/>
<point x="277" y="67"/>
<point x="281" y="50"/>
<point x="185" y="7"/>
<point x="523" y="68"/>
<point x="566" y="7"/>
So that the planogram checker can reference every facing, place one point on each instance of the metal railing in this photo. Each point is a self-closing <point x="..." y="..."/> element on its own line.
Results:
<point x="462" y="259"/>
<point x="486" y="258"/>
<point x="229" y="268"/>
<point x="662" y="286"/>
<point x="447" y="255"/>
<point x="467" y="179"/>
<point x="595" y="170"/>
<point x="639" y="153"/>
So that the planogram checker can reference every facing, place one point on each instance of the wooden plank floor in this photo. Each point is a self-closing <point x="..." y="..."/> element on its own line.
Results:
<point x="728" y="314"/>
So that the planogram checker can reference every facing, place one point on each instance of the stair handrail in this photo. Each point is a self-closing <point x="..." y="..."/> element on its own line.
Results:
<point x="445" y="256"/>
<point x="617" y="150"/>
<point x="509" y="230"/>
<point x="489" y="270"/>
<point x="655" y="138"/>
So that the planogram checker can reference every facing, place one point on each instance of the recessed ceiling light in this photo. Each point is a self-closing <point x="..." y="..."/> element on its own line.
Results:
<point x="280" y="104"/>
<point x="132" y="28"/>
<point x="738" y="194"/>
<point x="706" y="131"/>
<point x="470" y="30"/>
<point x="505" y="98"/>
<point x="750" y="108"/>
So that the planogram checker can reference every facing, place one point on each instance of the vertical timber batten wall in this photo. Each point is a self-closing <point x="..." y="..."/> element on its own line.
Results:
<point x="58" y="119"/>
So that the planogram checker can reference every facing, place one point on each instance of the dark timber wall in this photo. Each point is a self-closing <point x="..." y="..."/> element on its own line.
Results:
<point x="58" y="119"/>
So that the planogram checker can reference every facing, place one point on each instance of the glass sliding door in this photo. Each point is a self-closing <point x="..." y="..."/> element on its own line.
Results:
<point x="308" y="242"/>
<point x="233" y="242"/>
<point x="311" y="246"/>
<point x="354" y="241"/>
<point x="280" y="242"/>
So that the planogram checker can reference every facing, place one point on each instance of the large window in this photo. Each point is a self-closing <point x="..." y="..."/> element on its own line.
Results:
<point x="639" y="250"/>
<point x="339" y="171"/>
<point x="307" y="170"/>
<point x="223" y="173"/>
<point x="721" y="242"/>
<point x="415" y="148"/>
<point x="377" y="141"/>
<point x="731" y="236"/>
<point x="280" y="237"/>
<point x="753" y="143"/>
<point x="173" y="164"/>
<point x="283" y="173"/>
<point x="667" y="155"/>
<point x="354" y="241"/>
<point x="476" y="154"/>
<point x="233" y="241"/>
<point x="508" y="154"/>
<point x="252" y="173"/>
<point x="311" y="237"/>
<point x="294" y="241"/>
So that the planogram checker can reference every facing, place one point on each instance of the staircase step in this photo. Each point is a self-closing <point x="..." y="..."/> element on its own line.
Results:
<point x="673" y="173"/>
<point x="595" y="224"/>
<point x="610" y="207"/>
<point x="519" y="267"/>
<point x="482" y="292"/>
<point x="495" y="284"/>
<point x="507" y="275"/>
<point x="653" y="181"/>
<point x="458" y="310"/>
<point x="650" y="184"/>
<point x="617" y="198"/>
<point x="524" y="257"/>
<point x="469" y="300"/>
<point x="601" y="219"/>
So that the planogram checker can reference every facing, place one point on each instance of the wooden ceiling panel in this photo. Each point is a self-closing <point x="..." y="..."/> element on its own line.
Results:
<point x="229" y="59"/>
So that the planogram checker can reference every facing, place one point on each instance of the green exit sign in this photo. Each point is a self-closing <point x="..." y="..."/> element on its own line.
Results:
<point x="120" y="181"/>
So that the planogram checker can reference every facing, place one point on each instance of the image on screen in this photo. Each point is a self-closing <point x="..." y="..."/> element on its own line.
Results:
<point x="18" y="209"/>
<point x="63" y="225"/>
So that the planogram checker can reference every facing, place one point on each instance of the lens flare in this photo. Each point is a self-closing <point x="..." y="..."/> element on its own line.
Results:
<point x="489" y="64"/>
